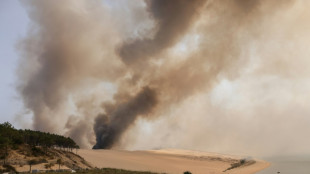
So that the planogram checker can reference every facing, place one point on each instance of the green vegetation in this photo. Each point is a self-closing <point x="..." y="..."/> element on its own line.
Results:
<point x="48" y="165"/>
<point x="11" y="138"/>
<point x="187" y="172"/>
<point x="31" y="162"/>
<point x="38" y="146"/>
<point x="59" y="162"/>
<point x="8" y="168"/>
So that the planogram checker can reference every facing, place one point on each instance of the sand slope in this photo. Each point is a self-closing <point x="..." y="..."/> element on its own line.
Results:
<point x="169" y="161"/>
<point x="19" y="159"/>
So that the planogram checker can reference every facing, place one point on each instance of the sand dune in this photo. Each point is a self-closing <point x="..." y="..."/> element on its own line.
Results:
<point x="170" y="161"/>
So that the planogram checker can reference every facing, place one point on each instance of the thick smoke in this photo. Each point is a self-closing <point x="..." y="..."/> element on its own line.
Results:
<point x="206" y="75"/>
<point x="110" y="127"/>
<point x="61" y="60"/>
<point x="172" y="19"/>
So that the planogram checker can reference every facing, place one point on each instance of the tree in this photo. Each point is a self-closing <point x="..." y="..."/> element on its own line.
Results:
<point x="31" y="162"/>
<point x="187" y="172"/>
<point x="12" y="138"/>
<point x="7" y="125"/>
<point x="4" y="143"/>
<point x="59" y="162"/>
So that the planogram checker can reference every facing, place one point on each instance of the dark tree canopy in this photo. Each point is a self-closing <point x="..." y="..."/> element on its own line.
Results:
<point x="10" y="136"/>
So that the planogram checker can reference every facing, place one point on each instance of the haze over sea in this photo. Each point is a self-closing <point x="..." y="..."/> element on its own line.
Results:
<point x="288" y="165"/>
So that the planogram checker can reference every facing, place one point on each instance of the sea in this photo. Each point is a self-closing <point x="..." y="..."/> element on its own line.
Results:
<point x="287" y="165"/>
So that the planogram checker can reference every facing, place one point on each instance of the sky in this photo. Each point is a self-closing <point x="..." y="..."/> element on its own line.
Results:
<point x="14" y="22"/>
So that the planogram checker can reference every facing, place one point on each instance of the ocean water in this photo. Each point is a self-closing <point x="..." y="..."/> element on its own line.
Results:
<point x="287" y="165"/>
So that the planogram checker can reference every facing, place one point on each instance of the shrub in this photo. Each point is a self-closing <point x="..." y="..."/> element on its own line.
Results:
<point x="187" y="172"/>
<point x="37" y="151"/>
<point x="9" y="168"/>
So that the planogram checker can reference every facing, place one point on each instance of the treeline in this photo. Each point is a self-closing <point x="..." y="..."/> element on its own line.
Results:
<point x="9" y="136"/>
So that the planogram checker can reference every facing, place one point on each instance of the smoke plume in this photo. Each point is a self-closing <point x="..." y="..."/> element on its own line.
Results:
<point x="172" y="19"/>
<point x="205" y="75"/>
<point x="109" y="129"/>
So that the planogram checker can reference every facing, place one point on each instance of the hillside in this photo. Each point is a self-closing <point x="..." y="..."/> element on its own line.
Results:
<point x="25" y="150"/>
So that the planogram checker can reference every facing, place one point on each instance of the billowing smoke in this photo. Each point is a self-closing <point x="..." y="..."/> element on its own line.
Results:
<point x="206" y="75"/>
<point x="172" y="19"/>
<point x="108" y="129"/>
<point x="62" y="58"/>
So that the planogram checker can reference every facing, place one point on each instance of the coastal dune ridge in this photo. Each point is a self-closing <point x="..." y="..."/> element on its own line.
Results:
<point x="173" y="161"/>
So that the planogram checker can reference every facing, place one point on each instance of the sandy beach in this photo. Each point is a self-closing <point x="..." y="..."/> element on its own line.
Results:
<point x="170" y="161"/>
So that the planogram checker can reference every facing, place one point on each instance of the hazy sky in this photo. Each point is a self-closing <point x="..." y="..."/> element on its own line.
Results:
<point x="14" y="23"/>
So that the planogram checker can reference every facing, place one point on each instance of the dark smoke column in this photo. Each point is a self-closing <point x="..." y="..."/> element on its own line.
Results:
<point x="109" y="128"/>
<point x="173" y="18"/>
